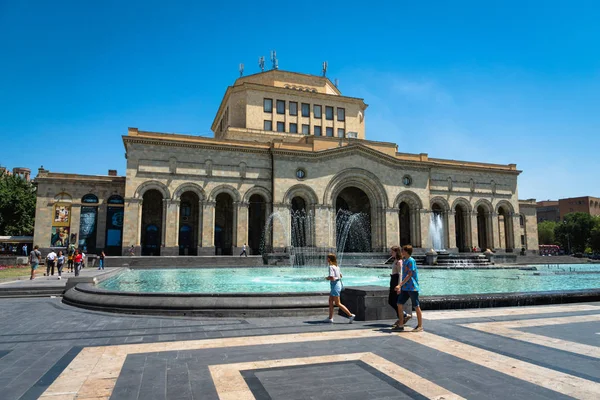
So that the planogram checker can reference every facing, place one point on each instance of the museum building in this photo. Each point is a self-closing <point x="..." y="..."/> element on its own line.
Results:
<point x="285" y="144"/>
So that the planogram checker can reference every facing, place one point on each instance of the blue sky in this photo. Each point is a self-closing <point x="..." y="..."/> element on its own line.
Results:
<point x="509" y="82"/>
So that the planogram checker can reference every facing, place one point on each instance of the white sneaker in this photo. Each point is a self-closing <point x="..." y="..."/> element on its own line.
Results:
<point x="328" y="320"/>
<point x="351" y="318"/>
<point x="59" y="278"/>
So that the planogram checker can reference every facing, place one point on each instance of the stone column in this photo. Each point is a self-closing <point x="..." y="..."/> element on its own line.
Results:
<point x="199" y="232"/>
<point x="493" y="231"/>
<point x="474" y="230"/>
<point x="415" y="227"/>
<point x="101" y="226"/>
<point x="208" y="229"/>
<point x="515" y="231"/>
<point x="163" y="227"/>
<point x="451" y="234"/>
<point x="281" y="227"/>
<point x="392" y="227"/>
<point x="75" y="220"/>
<point x="171" y="228"/>
<point x="424" y="222"/>
<point x="324" y="222"/>
<point x="468" y="229"/>
<point x="242" y="227"/>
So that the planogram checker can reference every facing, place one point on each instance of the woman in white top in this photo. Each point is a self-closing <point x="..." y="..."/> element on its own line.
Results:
<point x="395" y="279"/>
<point x="335" y="284"/>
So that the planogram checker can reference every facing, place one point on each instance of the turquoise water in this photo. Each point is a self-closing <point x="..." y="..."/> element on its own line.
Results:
<point x="312" y="279"/>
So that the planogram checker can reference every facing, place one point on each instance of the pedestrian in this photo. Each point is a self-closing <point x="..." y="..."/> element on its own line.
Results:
<point x="25" y="249"/>
<point x="132" y="250"/>
<point x="335" y="285"/>
<point x="395" y="278"/>
<point x="101" y="264"/>
<point x="409" y="287"/>
<point x="60" y="263"/>
<point x="50" y="260"/>
<point x="70" y="256"/>
<point x="82" y="260"/>
<point x="244" y="253"/>
<point x="35" y="258"/>
<point x="77" y="260"/>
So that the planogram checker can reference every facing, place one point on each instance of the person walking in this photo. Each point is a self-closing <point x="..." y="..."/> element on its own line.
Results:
<point x="35" y="258"/>
<point x="244" y="253"/>
<point x="409" y="288"/>
<point x="77" y="260"/>
<point x="132" y="250"/>
<point x="82" y="259"/>
<point x="395" y="278"/>
<point x="101" y="264"/>
<point x="70" y="257"/>
<point x="60" y="263"/>
<point x="50" y="261"/>
<point x="335" y="285"/>
<point x="25" y="249"/>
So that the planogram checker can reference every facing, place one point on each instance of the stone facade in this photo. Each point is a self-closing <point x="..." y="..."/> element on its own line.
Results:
<point x="195" y="195"/>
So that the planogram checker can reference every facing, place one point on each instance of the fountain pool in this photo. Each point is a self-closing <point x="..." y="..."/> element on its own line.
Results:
<point x="311" y="280"/>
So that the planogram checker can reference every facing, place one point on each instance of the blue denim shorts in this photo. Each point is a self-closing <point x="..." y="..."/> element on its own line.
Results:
<point x="405" y="295"/>
<point x="336" y="288"/>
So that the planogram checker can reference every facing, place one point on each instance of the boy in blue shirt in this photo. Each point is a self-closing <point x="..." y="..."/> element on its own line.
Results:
<point x="409" y="288"/>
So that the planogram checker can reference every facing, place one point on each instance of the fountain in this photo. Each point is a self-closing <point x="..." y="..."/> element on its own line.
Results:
<point x="436" y="231"/>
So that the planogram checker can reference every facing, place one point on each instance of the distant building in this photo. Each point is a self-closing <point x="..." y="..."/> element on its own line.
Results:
<point x="555" y="210"/>
<point x="24" y="173"/>
<point x="586" y="204"/>
<point x="548" y="211"/>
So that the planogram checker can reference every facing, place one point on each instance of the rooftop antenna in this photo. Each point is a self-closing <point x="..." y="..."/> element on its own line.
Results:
<point x="261" y="63"/>
<point x="241" y="70"/>
<point x="324" y="68"/>
<point x="274" y="60"/>
<point x="336" y="82"/>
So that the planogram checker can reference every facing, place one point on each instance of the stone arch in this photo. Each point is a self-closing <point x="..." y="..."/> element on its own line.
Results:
<point x="485" y="204"/>
<point x="410" y="198"/>
<point x="63" y="197"/>
<point x="303" y="191"/>
<point x="144" y="187"/>
<point x="189" y="187"/>
<point x="504" y="203"/>
<point x="462" y="202"/>
<point x="360" y="178"/>
<point x="235" y="195"/>
<point x="442" y="202"/>
<point x="264" y="192"/>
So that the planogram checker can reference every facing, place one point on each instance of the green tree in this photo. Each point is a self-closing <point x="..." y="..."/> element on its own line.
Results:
<point x="574" y="231"/>
<point x="595" y="236"/>
<point x="546" y="232"/>
<point x="17" y="206"/>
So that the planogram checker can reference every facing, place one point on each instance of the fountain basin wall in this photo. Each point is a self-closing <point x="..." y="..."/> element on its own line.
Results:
<point x="367" y="302"/>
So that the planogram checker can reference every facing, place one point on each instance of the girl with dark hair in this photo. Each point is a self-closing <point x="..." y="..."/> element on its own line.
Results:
<point x="394" y="281"/>
<point x="335" y="283"/>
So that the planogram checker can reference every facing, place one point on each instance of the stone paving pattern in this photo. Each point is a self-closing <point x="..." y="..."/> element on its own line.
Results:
<point x="40" y="338"/>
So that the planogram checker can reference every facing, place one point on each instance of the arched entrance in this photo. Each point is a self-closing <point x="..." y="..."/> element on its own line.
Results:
<point x="257" y="210"/>
<point x="404" y="223"/>
<point x="482" y="228"/>
<point x="460" y="224"/>
<point x="436" y="227"/>
<point x="152" y="217"/>
<point x="505" y="229"/>
<point x="189" y="221"/>
<point x="353" y="221"/>
<point x="224" y="224"/>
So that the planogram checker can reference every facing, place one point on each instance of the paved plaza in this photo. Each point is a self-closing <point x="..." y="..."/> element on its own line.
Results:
<point x="52" y="351"/>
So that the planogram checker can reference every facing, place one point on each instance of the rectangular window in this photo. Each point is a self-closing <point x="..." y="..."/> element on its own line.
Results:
<point x="280" y="106"/>
<point x="317" y="111"/>
<point x="317" y="130"/>
<point x="522" y="240"/>
<point x="268" y="105"/>
<point x="281" y="127"/>
<point x="268" y="125"/>
<point x="293" y="108"/>
<point x="329" y="113"/>
<point x="341" y="132"/>
<point x="329" y="131"/>
<point x="305" y="110"/>
<point x="341" y="114"/>
<point x="293" y="128"/>
<point x="305" y="129"/>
